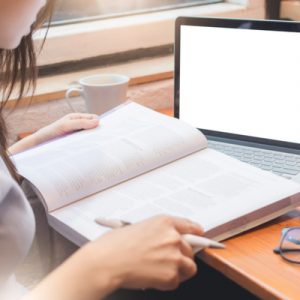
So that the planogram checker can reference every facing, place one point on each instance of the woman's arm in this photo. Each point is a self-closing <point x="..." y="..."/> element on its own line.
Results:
<point x="67" y="124"/>
<point x="79" y="278"/>
<point x="150" y="254"/>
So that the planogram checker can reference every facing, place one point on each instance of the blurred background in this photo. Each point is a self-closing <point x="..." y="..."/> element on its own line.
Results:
<point x="82" y="10"/>
<point x="70" y="11"/>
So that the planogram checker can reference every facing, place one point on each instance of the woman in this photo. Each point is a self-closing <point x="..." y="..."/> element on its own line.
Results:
<point x="151" y="254"/>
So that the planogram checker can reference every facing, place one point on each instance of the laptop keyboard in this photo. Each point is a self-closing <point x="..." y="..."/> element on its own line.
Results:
<point x="283" y="164"/>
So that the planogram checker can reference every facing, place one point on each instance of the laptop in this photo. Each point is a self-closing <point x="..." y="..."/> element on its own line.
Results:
<point x="238" y="81"/>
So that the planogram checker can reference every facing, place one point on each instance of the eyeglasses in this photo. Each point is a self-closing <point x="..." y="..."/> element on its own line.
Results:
<point x="289" y="247"/>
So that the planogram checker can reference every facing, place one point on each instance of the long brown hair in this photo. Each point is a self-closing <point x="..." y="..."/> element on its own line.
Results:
<point x="18" y="74"/>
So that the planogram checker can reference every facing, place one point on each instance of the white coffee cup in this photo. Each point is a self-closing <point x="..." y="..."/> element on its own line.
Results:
<point x="101" y="92"/>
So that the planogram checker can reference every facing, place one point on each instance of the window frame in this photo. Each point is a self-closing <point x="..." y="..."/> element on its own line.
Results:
<point x="128" y="33"/>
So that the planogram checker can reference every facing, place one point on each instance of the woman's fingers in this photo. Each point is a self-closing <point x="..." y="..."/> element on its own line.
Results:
<point x="175" y="274"/>
<point x="77" y="124"/>
<point x="186" y="249"/>
<point x="81" y="116"/>
<point x="187" y="269"/>
<point x="184" y="226"/>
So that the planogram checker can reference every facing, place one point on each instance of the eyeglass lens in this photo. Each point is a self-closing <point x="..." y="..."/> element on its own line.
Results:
<point x="290" y="245"/>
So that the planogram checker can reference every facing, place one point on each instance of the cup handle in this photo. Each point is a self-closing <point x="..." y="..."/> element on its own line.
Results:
<point x="70" y="91"/>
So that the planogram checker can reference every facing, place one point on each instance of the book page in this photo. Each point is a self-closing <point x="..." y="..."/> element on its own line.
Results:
<point x="129" y="141"/>
<point x="207" y="187"/>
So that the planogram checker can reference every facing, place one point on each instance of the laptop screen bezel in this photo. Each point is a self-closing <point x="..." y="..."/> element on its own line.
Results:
<point x="243" y="24"/>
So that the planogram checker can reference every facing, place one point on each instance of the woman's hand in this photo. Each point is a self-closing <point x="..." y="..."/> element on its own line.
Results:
<point x="67" y="124"/>
<point x="150" y="254"/>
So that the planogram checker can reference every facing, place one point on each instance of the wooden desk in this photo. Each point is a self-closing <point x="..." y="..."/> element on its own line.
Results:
<point x="249" y="259"/>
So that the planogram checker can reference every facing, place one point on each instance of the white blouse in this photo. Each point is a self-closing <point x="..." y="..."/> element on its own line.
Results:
<point x="17" y="229"/>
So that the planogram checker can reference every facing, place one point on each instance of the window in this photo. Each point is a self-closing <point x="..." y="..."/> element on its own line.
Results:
<point x="69" y="11"/>
<point x="109" y="33"/>
<point x="289" y="10"/>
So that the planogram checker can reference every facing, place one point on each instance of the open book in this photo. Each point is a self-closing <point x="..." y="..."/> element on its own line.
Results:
<point x="139" y="163"/>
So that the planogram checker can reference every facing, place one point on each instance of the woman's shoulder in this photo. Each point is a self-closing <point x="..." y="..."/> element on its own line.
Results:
<point x="16" y="223"/>
<point x="7" y="183"/>
<point x="3" y="168"/>
<point x="13" y="202"/>
<point x="12" y="198"/>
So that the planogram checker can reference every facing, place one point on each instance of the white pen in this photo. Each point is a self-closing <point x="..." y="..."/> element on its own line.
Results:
<point x="197" y="242"/>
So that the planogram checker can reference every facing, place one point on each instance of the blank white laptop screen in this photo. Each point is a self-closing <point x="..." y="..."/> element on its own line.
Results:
<point x="241" y="81"/>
